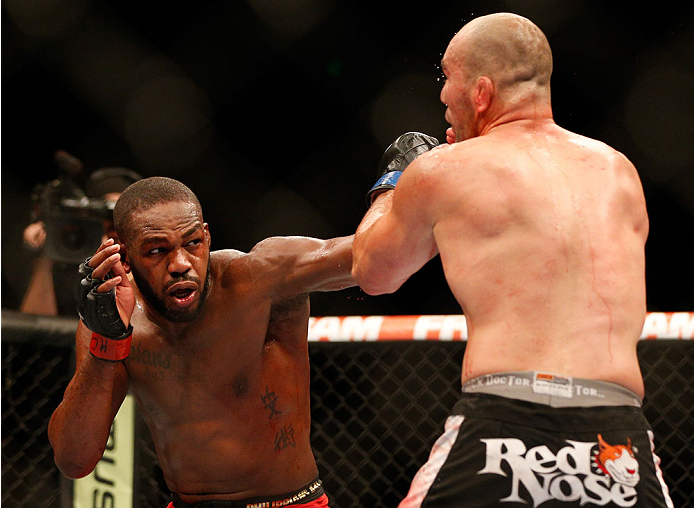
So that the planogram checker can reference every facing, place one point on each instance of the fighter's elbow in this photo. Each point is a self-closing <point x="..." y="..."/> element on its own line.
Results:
<point x="371" y="284"/>
<point x="74" y="467"/>
<point x="73" y="461"/>
<point x="373" y="290"/>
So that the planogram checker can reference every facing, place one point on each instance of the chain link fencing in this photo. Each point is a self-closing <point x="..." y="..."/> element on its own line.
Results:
<point x="377" y="408"/>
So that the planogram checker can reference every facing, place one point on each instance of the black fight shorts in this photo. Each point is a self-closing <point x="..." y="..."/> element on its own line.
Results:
<point x="528" y="439"/>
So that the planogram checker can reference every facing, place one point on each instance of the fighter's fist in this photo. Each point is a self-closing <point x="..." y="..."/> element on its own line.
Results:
<point x="105" y="302"/>
<point x="397" y="157"/>
<point x="450" y="136"/>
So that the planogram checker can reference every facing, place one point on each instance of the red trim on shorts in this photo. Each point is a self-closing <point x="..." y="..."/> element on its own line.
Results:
<point x="321" y="502"/>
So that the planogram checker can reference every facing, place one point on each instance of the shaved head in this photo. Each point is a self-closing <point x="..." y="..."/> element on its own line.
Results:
<point x="507" y="48"/>
<point x="145" y="194"/>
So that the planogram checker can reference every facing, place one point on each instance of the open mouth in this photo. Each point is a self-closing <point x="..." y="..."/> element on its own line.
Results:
<point x="182" y="293"/>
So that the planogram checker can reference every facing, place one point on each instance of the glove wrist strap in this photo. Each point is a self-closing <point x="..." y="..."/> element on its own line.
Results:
<point x="109" y="349"/>
<point x="388" y="180"/>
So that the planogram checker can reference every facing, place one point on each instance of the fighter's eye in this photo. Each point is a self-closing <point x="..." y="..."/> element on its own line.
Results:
<point x="442" y="76"/>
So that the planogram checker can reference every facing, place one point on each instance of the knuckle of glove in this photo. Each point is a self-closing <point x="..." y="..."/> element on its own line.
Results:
<point x="404" y="150"/>
<point x="85" y="269"/>
<point x="82" y="289"/>
<point x="397" y="157"/>
<point x="98" y="311"/>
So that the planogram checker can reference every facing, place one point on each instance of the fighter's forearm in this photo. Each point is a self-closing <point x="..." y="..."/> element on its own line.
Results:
<point x="79" y="427"/>
<point x="339" y="258"/>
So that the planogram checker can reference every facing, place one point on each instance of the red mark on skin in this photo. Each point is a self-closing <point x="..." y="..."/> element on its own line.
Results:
<point x="467" y="367"/>
<point x="603" y="300"/>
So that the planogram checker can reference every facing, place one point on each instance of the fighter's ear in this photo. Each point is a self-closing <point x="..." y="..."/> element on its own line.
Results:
<point x="483" y="92"/>
<point x="208" y="238"/>
<point x="124" y="257"/>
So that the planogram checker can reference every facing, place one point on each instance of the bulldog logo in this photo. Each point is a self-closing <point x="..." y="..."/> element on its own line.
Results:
<point x="584" y="472"/>
<point x="618" y="461"/>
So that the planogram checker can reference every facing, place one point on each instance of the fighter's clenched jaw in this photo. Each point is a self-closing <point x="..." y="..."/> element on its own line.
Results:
<point x="170" y="260"/>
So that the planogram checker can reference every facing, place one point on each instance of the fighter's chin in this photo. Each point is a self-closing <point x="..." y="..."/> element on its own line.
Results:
<point x="178" y="309"/>
<point x="179" y="315"/>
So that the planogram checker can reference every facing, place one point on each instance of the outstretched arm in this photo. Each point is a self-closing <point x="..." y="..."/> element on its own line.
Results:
<point x="80" y="425"/>
<point x="299" y="264"/>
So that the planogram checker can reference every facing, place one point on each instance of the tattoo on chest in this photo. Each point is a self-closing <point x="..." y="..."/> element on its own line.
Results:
<point x="155" y="375"/>
<point x="149" y="357"/>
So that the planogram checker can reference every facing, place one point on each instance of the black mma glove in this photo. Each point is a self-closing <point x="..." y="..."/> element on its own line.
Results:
<point x="397" y="157"/>
<point x="99" y="312"/>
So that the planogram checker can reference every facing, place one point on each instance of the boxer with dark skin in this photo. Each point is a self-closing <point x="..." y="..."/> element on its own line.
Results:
<point x="541" y="235"/>
<point x="219" y="357"/>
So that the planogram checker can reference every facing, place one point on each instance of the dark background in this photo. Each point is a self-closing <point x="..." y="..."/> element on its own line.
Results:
<point x="276" y="112"/>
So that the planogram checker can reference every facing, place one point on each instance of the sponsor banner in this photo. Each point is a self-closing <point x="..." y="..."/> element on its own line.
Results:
<point x="658" y="325"/>
<point x="110" y="485"/>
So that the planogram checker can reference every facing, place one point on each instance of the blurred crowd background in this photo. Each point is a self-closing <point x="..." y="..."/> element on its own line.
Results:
<point x="276" y="112"/>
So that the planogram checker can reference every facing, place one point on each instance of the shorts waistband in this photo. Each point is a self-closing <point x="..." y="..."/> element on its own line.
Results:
<point x="306" y="494"/>
<point x="552" y="389"/>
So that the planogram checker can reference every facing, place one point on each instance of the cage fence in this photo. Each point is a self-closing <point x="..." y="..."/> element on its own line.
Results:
<point x="377" y="407"/>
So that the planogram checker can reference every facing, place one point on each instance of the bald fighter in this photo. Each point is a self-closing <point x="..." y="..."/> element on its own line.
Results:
<point x="541" y="234"/>
<point x="213" y="345"/>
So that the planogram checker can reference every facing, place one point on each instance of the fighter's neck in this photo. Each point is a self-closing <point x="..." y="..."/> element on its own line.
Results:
<point x="519" y="122"/>
<point x="525" y="114"/>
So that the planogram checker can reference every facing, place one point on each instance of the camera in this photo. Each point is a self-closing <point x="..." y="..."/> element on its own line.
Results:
<point x="74" y="221"/>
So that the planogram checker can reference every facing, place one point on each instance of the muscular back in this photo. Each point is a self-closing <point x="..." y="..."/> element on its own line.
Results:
<point x="541" y="234"/>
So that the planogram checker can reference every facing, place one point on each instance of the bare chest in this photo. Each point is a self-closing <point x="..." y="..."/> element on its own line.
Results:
<point x="223" y="370"/>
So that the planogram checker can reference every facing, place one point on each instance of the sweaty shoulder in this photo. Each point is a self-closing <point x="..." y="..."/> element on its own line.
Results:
<point x="474" y="153"/>
<point x="262" y="271"/>
<point x="264" y="259"/>
<point x="456" y="166"/>
<point x="427" y="169"/>
<point x="602" y="156"/>
<point x="274" y="260"/>
<point x="229" y="266"/>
